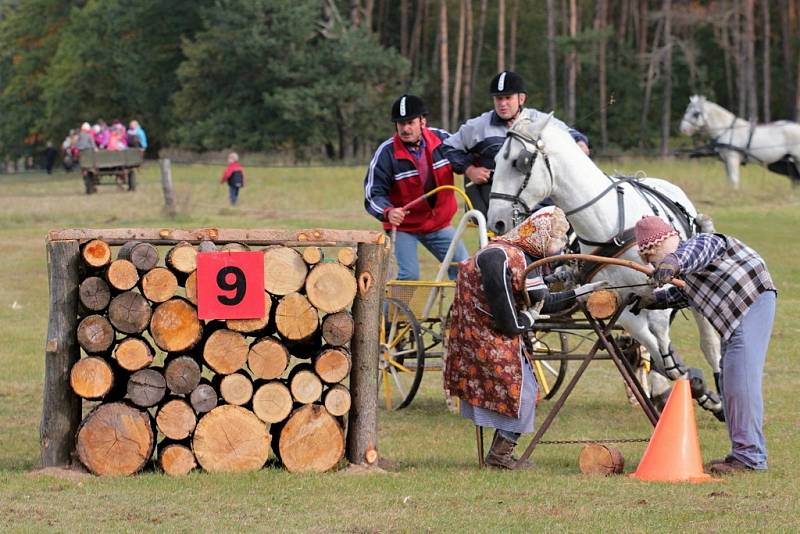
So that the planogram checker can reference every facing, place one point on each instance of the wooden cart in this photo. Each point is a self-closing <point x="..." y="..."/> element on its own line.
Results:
<point x="121" y="164"/>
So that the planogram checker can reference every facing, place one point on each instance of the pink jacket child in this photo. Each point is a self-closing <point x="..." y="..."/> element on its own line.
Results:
<point x="117" y="140"/>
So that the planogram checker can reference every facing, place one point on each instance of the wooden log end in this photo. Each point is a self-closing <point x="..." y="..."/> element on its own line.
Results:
<point x="602" y="303"/>
<point x="599" y="459"/>
<point x="231" y="439"/>
<point x="115" y="439"/>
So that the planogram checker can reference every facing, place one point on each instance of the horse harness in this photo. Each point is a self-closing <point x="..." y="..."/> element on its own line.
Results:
<point x="625" y="238"/>
<point x="524" y="164"/>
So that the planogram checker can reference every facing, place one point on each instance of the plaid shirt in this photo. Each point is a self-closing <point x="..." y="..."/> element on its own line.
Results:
<point x="723" y="278"/>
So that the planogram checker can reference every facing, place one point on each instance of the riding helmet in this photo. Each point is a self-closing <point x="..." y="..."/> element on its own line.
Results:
<point x="407" y="107"/>
<point x="507" y="83"/>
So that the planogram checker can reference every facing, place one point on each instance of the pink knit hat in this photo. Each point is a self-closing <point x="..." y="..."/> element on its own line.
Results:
<point x="650" y="231"/>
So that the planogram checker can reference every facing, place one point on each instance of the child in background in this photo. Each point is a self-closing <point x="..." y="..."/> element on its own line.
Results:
<point x="234" y="175"/>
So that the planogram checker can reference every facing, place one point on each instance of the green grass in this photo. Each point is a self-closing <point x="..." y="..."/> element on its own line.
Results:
<point x="436" y="486"/>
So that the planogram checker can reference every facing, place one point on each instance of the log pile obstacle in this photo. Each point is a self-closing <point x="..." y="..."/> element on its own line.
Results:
<point x="169" y="389"/>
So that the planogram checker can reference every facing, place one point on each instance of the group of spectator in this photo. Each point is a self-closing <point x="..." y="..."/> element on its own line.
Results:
<point x="101" y="136"/>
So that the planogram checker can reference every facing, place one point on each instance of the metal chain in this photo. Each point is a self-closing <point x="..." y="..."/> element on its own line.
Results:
<point x="585" y="441"/>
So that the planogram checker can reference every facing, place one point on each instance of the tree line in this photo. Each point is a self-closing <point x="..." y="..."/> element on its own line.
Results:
<point x="314" y="79"/>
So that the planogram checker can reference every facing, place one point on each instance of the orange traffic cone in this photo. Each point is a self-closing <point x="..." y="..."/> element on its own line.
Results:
<point x="673" y="454"/>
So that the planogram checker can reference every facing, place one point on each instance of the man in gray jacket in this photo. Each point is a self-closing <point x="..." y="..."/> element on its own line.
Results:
<point x="471" y="150"/>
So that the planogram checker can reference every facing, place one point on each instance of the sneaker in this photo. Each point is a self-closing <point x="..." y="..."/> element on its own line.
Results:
<point x="730" y="466"/>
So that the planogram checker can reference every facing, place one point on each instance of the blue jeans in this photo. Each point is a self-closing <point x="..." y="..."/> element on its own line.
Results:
<point x="743" y="356"/>
<point x="405" y="250"/>
<point x="234" y="194"/>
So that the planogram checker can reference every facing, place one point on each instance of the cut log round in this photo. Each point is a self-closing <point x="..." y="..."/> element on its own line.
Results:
<point x="235" y="388"/>
<point x="338" y="328"/>
<point x="305" y="385"/>
<point x="134" y="353"/>
<point x="182" y="258"/>
<point x="204" y="397"/>
<point x="267" y="358"/>
<point x="94" y="294"/>
<point x="144" y="256"/>
<point x="176" y="459"/>
<point x="346" y="256"/>
<point x="122" y="275"/>
<point x="331" y="287"/>
<point x="175" y="326"/>
<point x="231" y="439"/>
<point x="313" y="255"/>
<point x="337" y="400"/>
<point x="159" y="285"/>
<point x="332" y="365"/>
<point x="146" y="387"/>
<point x="252" y="326"/>
<point x="129" y="312"/>
<point x="176" y="419"/>
<point x="598" y="459"/>
<point x="295" y="318"/>
<point x="96" y="254"/>
<point x="272" y="402"/>
<point x="602" y="303"/>
<point x="182" y="374"/>
<point x="234" y="247"/>
<point x="191" y="288"/>
<point x="311" y="440"/>
<point x="91" y="378"/>
<point x="284" y="270"/>
<point x="115" y="439"/>
<point x="225" y="351"/>
<point x="95" y="334"/>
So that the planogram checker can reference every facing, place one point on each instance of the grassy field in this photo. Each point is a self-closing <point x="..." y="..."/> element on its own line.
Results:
<point x="436" y="485"/>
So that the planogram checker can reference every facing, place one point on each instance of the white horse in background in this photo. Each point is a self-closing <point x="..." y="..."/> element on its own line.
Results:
<point x="539" y="161"/>
<point x="737" y="140"/>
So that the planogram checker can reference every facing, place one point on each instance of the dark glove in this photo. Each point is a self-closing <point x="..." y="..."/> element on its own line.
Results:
<point x="666" y="270"/>
<point x="566" y="276"/>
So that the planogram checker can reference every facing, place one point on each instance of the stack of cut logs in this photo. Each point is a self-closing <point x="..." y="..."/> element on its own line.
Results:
<point x="214" y="393"/>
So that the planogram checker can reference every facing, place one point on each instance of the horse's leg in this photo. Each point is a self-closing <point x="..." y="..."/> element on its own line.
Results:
<point x="673" y="366"/>
<point x="636" y="325"/>
<point x="732" y="162"/>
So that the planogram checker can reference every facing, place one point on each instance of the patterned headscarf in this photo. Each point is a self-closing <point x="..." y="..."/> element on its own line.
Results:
<point x="535" y="232"/>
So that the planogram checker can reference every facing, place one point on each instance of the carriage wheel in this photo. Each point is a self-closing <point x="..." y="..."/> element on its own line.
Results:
<point x="89" y="184"/>
<point x="402" y="359"/>
<point x="131" y="181"/>
<point x="550" y="374"/>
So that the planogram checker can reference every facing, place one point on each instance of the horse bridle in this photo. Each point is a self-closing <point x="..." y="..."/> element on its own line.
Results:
<point x="524" y="164"/>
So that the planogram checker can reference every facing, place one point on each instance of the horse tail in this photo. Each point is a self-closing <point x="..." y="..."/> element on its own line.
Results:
<point x="704" y="223"/>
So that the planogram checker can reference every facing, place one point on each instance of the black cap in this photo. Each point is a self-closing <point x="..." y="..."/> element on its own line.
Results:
<point x="507" y="83"/>
<point x="407" y="107"/>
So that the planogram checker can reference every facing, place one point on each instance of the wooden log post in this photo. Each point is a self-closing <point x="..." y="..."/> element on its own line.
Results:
<point x="166" y="184"/>
<point x="362" y="430"/>
<point x="61" y="408"/>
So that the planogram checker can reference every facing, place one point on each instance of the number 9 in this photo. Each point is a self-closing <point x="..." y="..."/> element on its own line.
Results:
<point x="239" y="284"/>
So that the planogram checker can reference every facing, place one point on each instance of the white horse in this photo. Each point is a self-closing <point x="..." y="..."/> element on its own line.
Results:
<point x="539" y="161"/>
<point x="737" y="140"/>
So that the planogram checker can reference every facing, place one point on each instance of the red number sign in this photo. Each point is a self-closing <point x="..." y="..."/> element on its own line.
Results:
<point x="230" y="285"/>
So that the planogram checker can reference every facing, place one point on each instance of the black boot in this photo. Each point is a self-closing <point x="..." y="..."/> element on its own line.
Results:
<point x="501" y="454"/>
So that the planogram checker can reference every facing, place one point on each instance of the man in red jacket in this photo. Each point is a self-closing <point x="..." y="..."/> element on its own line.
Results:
<point x="405" y="167"/>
